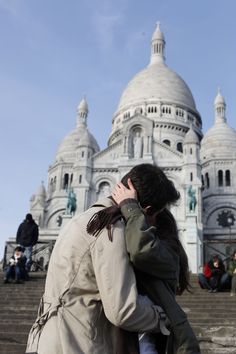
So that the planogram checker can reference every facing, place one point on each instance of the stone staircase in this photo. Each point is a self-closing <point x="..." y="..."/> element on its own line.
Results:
<point x="213" y="316"/>
<point x="18" y="310"/>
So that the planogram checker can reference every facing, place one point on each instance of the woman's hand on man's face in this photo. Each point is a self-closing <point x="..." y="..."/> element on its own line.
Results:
<point x="120" y="192"/>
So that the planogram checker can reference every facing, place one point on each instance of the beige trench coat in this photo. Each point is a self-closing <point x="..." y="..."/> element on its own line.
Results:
<point x="90" y="287"/>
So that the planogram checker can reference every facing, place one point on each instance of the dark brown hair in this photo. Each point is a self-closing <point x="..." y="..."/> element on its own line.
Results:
<point x="167" y="231"/>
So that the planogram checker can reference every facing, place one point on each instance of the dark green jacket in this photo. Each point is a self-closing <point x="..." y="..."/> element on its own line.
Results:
<point x="157" y="271"/>
<point x="232" y="267"/>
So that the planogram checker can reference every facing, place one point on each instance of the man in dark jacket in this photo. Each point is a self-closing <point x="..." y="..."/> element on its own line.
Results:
<point x="27" y="237"/>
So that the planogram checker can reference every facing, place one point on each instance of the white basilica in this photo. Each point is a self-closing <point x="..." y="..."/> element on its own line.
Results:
<point x="156" y="122"/>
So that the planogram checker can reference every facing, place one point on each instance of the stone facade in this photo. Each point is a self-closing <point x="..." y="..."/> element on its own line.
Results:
<point x="156" y="122"/>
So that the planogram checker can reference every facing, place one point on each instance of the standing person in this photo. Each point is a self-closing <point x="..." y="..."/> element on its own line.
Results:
<point x="154" y="248"/>
<point x="16" y="268"/>
<point x="232" y="273"/>
<point x="91" y="290"/>
<point x="27" y="237"/>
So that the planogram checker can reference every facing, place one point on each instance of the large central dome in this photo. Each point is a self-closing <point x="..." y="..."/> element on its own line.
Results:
<point x="157" y="82"/>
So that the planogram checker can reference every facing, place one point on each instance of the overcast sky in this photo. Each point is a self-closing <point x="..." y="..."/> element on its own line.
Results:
<point x="53" y="52"/>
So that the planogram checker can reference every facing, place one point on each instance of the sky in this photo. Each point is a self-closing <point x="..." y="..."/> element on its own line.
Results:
<point x="55" y="52"/>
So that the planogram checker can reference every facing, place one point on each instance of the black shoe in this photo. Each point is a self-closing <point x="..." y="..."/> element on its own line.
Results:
<point x="18" y="281"/>
<point x="6" y="281"/>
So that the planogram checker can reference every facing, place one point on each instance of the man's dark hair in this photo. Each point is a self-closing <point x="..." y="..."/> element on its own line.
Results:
<point x="19" y="249"/>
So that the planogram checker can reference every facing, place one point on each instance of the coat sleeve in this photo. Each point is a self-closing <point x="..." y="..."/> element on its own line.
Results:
<point x="146" y="251"/>
<point x="35" y="234"/>
<point x="18" y="234"/>
<point x="231" y="268"/>
<point x="117" y="285"/>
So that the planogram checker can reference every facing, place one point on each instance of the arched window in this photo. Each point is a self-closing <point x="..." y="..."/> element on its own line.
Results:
<point x="167" y="142"/>
<point x="65" y="181"/>
<point x="54" y="183"/>
<point x="191" y="176"/>
<point x="180" y="147"/>
<point x="203" y="183"/>
<point x="207" y="180"/>
<point x="51" y="185"/>
<point x="220" y="178"/>
<point x="191" y="151"/>
<point x="82" y="153"/>
<point x="227" y="178"/>
<point x="80" y="178"/>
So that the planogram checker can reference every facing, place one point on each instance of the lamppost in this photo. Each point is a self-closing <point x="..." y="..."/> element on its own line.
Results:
<point x="226" y="219"/>
<point x="230" y="222"/>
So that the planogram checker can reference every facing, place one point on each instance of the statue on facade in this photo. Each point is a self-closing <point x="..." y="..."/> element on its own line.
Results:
<point x="71" y="202"/>
<point x="137" y="145"/>
<point x="104" y="190"/>
<point x="191" y="199"/>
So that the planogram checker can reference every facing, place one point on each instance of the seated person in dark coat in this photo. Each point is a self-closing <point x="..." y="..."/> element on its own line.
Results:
<point x="16" y="267"/>
<point x="214" y="276"/>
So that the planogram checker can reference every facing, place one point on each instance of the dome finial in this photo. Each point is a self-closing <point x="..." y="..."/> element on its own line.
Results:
<point x="82" y="112"/>
<point x="220" y="107"/>
<point x="157" y="46"/>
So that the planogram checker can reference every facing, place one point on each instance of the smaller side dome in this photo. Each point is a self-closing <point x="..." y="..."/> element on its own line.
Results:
<point x="191" y="137"/>
<point x="87" y="139"/>
<point x="41" y="191"/>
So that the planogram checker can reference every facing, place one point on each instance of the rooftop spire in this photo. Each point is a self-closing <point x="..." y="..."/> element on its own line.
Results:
<point x="82" y="112"/>
<point x="157" y="46"/>
<point x="220" y="107"/>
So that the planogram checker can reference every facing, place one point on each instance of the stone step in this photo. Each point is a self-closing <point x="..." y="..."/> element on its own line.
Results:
<point x="15" y="327"/>
<point x="12" y="348"/>
<point x="11" y="337"/>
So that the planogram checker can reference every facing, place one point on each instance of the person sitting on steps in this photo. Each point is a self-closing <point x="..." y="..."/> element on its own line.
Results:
<point x="214" y="276"/>
<point x="16" y="268"/>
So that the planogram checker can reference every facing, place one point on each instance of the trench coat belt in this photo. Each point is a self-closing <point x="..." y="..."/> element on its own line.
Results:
<point x="44" y="315"/>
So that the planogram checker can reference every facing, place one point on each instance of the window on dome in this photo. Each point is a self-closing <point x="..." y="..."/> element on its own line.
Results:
<point x="191" y="176"/>
<point x="166" y="110"/>
<point x="220" y="178"/>
<point x="227" y="178"/>
<point x="191" y="151"/>
<point x="180" y="147"/>
<point x="179" y="112"/>
<point x="65" y="181"/>
<point x="167" y="142"/>
<point x="80" y="178"/>
<point x="82" y="154"/>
